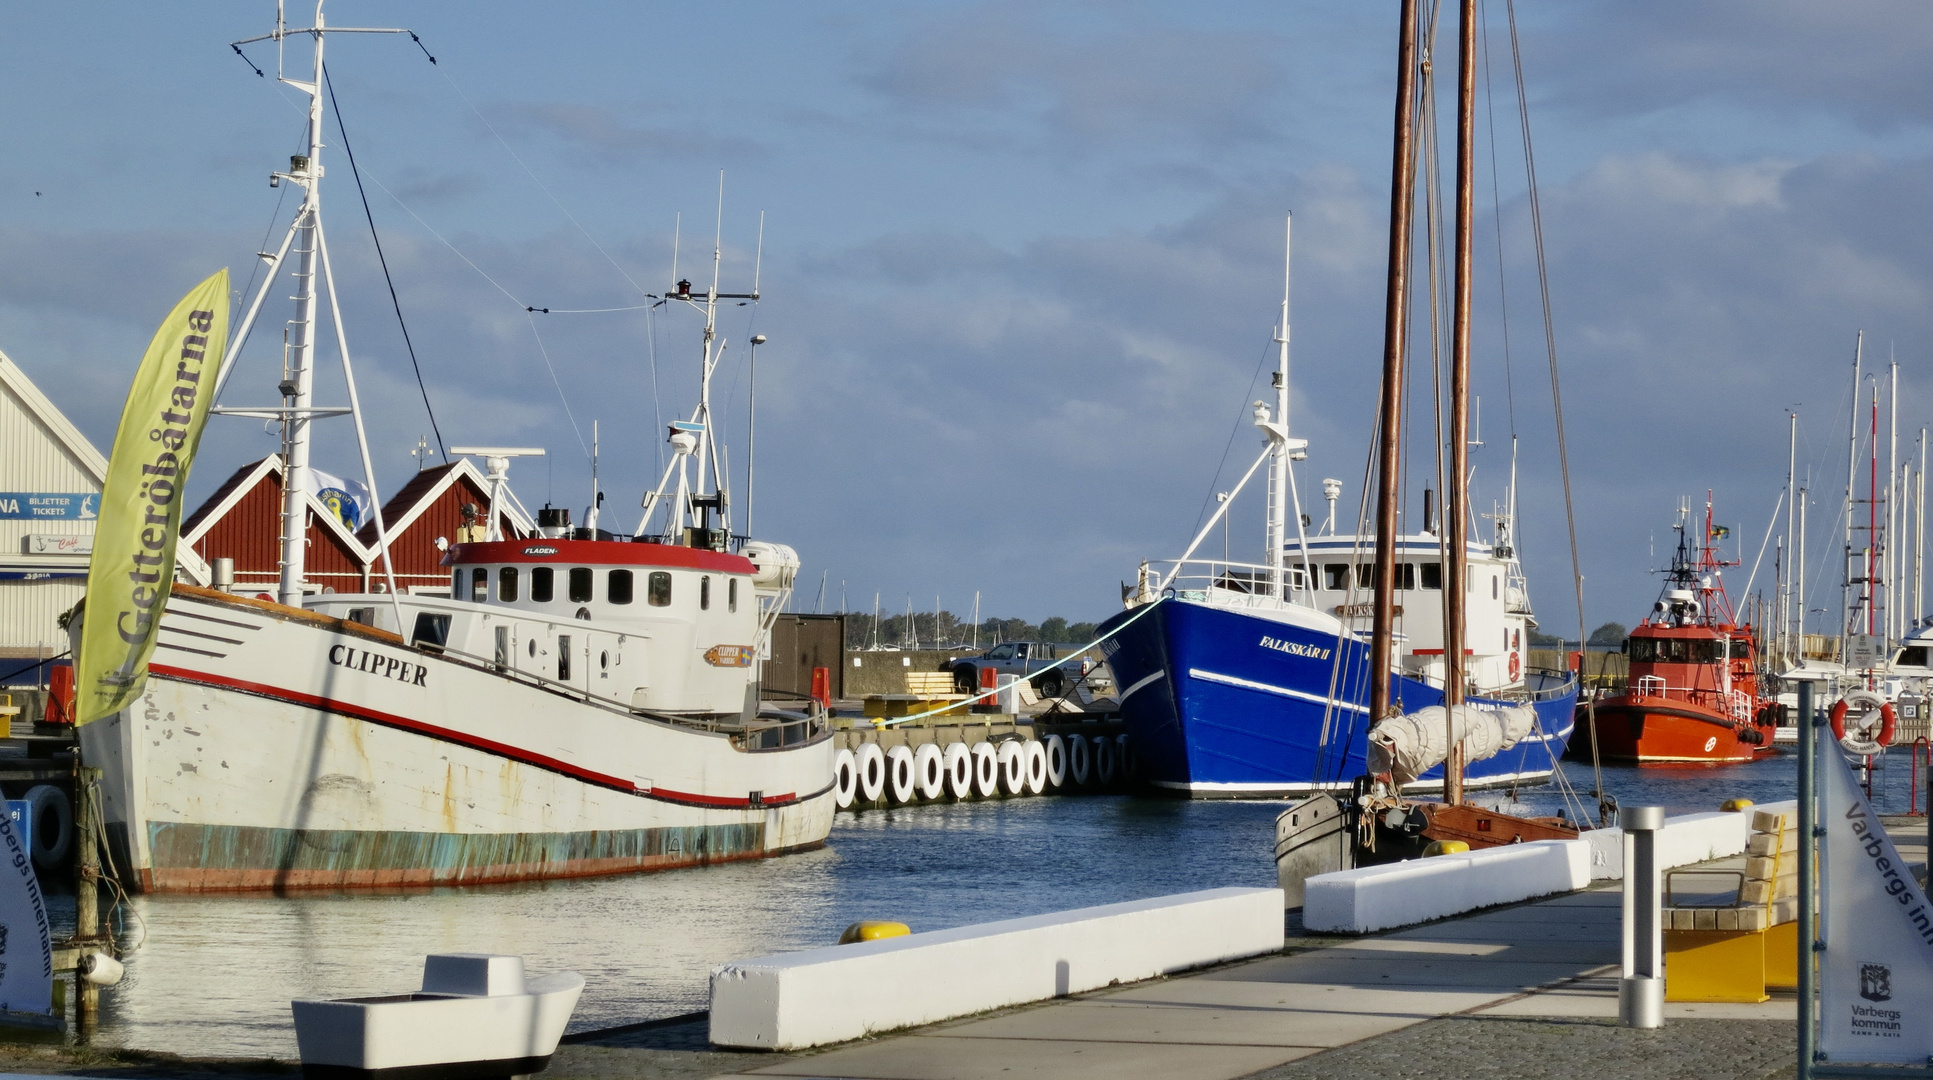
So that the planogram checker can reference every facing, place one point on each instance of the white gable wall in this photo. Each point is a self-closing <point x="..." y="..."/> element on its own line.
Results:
<point x="40" y="451"/>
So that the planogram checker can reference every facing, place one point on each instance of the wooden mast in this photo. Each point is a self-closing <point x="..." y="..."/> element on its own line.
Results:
<point x="1402" y="196"/>
<point x="1456" y="494"/>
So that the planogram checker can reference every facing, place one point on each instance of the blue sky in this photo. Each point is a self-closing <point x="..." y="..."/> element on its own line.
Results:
<point x="1021" y="261"/>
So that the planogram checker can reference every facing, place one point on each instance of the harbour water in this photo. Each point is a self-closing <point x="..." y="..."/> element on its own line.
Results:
<point x="214" y="974"/>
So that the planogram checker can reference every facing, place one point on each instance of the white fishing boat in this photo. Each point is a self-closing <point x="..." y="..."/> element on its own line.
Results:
<point x="577" y="704"/>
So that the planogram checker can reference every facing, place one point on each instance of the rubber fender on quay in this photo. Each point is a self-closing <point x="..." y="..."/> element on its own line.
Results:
<point x="959" y="770"/>
<point x="1104" y="763"/>
<point x="1013" y="767"/>
<point x="900" y="779"/>
<point x="845" y="778"/>
<point x="1080" y="758"/>
<point x="872" y="772"/>
<point x="929" y="771"/>
<point x="986" y="770"/>
<point x="53" y="825"/>
<point x="1036" y="767"/>
<point x="1056" y="751"/>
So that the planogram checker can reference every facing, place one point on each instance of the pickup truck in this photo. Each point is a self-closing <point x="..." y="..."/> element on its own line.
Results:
<point x="1020" y="658"/>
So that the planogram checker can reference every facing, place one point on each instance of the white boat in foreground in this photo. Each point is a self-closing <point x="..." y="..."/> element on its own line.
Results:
<point x="477" y="1016"/>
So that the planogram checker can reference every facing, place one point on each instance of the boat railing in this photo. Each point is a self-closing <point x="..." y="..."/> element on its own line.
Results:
<point x="1734" y="703"/>
<point x="1540" y="684"/>
<point x="1232" y="584"/>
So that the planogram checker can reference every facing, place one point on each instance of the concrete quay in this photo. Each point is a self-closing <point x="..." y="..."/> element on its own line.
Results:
<point x="1523" y="991"/>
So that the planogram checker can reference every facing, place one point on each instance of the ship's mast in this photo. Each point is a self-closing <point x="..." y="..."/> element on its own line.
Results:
<point x="1402" y="196"/>
<point x="1284" y="451"/>
<point x="1852" y="464"/>
<point x="305" y="237"/>
<point x="1456" y="510"/>
<point x="698" y="510"/>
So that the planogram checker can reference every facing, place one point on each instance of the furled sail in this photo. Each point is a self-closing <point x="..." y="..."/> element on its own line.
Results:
<point x="1407" y="746"/>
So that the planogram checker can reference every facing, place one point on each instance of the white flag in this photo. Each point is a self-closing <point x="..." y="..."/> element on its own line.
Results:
<point x="1876" y="974"/>
<point x="346" y="499"/>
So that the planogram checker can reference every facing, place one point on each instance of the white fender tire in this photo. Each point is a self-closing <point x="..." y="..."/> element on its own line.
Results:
<point x="845" y="778"/>
<point x="1124" y="760"/>
<point x="959" y="770"/>
<point x="899" y="775"/>
<point x="986" y="770"/>
<point x="929" y="772"/>
<point x="872" y="772"/>
<point x="1080" y="761"/>
<point x="1013" y="767"/>
<point x="1056" y="753"/>
<point x="1104" y="764"/>
<point x="1036" y="766"/>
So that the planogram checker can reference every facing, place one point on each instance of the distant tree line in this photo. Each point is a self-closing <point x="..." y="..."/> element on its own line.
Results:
<point x="1604" y="636"/>
<point x="943" y="630"/>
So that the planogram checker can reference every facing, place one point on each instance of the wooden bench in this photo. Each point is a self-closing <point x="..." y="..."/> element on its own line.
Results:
<point x="1748" y="941"/>
<point x="925" y="690"/>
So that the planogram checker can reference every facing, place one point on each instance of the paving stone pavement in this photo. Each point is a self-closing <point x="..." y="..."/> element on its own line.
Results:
<point x="1527" y="1048"/>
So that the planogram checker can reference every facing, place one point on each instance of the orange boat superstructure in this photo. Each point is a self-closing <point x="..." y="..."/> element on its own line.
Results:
<point x="1693" y="690"/>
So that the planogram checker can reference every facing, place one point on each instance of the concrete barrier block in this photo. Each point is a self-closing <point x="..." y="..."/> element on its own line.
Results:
<point x="1685" y="839"/>
<point x="1401" y="894"/>
<point x="844" y="992"/>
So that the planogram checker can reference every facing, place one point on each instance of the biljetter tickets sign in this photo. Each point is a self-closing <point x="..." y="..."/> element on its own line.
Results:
<point x="133" y="565"/>
<point x="1876" y="973"/>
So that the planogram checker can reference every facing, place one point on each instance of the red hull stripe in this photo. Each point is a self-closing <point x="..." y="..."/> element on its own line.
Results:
<point x="597" y="553"/>
<point x="488" y="746"/>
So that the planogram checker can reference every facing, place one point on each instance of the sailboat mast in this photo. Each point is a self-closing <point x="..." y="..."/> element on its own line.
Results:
<point x="1852" y="465"/>
<point x="1456" y="512"/>
<point x="1402" y="197"/>
<point x="1786" y="659"/>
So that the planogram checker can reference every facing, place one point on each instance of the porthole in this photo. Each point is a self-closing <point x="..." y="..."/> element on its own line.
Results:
<point x="604" y="660"/>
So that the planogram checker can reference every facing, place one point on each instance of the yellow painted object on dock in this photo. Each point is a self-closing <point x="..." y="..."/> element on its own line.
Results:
<point x="1446" y="847"/>
<point x="1735" y="953"/>
<point x="1733" y="806"/>
<point x="870" y="930"/>
<point x="925" y="691"/>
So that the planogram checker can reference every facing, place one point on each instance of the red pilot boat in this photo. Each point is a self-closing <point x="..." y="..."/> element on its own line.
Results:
<point x="1693" y="693"/>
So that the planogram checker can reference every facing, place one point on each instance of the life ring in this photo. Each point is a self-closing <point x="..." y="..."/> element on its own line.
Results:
<point x="1516" y="667"/>
<point x="1863" y="739"/>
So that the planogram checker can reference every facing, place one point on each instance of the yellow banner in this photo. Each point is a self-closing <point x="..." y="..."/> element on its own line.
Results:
<point x="147" y="475"/>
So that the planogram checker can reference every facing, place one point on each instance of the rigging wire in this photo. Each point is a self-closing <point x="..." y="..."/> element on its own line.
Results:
<point x="1556" y="390"/>
<point x="568" y="216"/>
<point x="1496" y="218"/>
<point x="394" y="302"/>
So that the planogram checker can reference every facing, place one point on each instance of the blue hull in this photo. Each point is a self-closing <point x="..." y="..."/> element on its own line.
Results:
<point x="1224" y="703"/>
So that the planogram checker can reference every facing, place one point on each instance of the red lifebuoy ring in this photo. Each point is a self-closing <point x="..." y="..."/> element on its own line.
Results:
<point x="1515" y="669"/>
<point x="1888" y="719"/>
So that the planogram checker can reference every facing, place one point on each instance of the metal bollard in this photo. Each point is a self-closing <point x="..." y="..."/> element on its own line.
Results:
<point x="1641" y="990"/>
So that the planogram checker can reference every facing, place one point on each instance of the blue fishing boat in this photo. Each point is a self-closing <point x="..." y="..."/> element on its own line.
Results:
<point x="1247" y="680"/>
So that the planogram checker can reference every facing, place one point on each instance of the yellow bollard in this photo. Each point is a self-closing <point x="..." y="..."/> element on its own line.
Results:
<point x="868" y="930"/>
<point x="1733" y="806"/>
<point x="1445" y="847"/>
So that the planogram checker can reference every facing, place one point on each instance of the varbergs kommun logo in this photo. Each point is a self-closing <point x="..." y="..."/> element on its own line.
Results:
<point x="1295" y="648"/>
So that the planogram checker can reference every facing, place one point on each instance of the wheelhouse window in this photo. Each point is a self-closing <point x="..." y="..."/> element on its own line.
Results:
<point x="1406" y="575"/>
<point x="543" y="582"/>
<point x="456" y="584"/>
<point x="1335" y="576"/>
<point x="1432" y="575"/>
<point x="619" y="589"/>
<point x="480" y="584"/>
<point x="731" y="594"/>
<point x="1675" y="651"/>
<point x="704" y="592"/>
<point x="580" y="584"/>
<point x="507" y="584"/>
<point x="658" y="588"/>
<point x="1913" y="656"/>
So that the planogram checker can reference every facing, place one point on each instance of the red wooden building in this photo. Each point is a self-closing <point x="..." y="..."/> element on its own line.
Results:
<point x="242" y="521"/>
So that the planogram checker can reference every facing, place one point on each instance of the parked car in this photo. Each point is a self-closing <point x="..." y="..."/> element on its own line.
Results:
<point x="1021" y="658"/>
